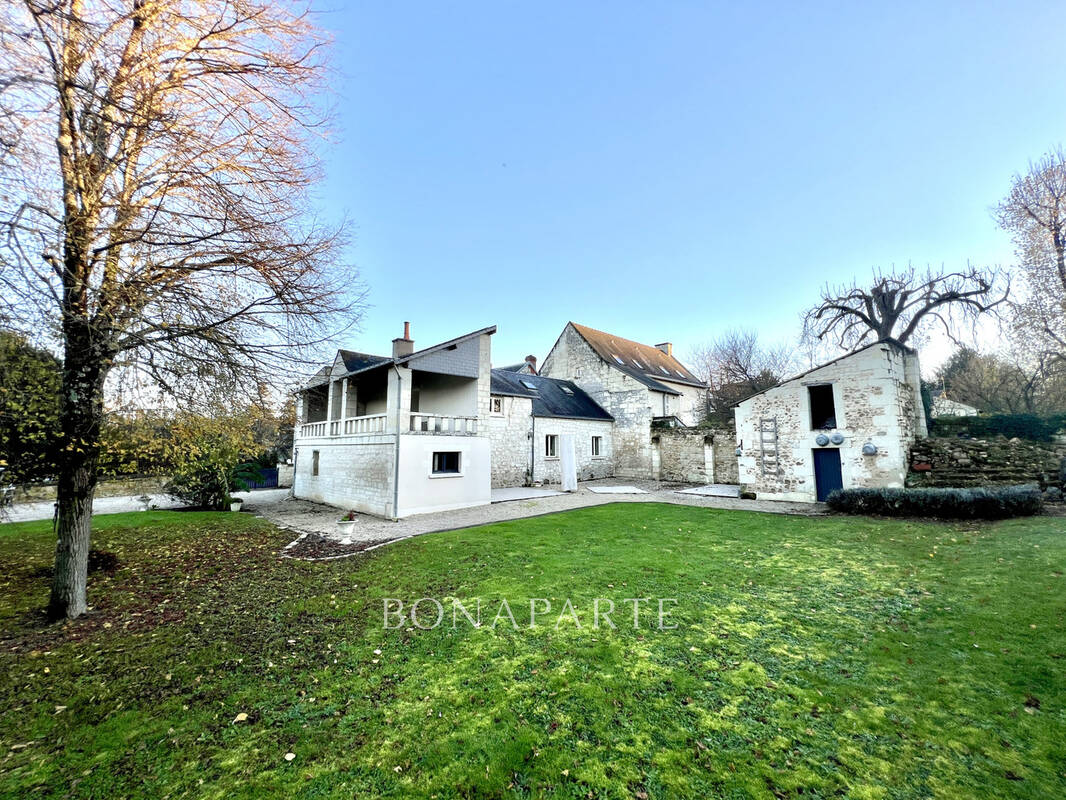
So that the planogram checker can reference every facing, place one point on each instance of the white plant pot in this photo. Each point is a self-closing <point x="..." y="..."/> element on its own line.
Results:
<point x="345" y="527"/>
<point x="236" y="505"/>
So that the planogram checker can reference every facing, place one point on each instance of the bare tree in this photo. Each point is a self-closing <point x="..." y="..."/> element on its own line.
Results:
<point x="157" y="157"/>
<point x="736" y="365"/>
<point x="900" y="304"/>
<point x="1035" y="215"/>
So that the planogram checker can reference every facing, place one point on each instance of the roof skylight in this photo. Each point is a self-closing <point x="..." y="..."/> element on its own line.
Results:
<point x="619" y="360"/>
<point x="566" y="390"/>
<point x="529" y="384"/>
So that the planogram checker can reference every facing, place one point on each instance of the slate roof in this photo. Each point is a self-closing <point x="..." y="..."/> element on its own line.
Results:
<point x="357" y="362"/>
<point x="549" y="397"/>
<point x="646" y="363"/>
<point x="523" y="367"/>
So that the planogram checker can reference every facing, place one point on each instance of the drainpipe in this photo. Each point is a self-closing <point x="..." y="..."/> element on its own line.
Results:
<point x="533" y="450"/>
<point x="396" y="465"/>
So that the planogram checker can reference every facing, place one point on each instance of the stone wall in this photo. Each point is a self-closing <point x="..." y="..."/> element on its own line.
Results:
<point x="589" y="466"/>
<point x="985" y="462"/>
<point x="511" y="448"/>
<point x="353" y="473"/>
<point x="695" y="456"/>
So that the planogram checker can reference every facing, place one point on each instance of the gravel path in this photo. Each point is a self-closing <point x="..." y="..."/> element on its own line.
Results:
<point x="304" y="517"/>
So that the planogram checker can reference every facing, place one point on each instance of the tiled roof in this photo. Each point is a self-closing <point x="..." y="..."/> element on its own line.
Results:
<point x="642" y="361"/>
<point x="551" y="397"/>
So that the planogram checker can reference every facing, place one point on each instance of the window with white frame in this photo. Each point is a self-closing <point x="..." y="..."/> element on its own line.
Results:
<point x="597" y="445"/>
<point x="551" y="446"/>
<point x="495" y="405"/>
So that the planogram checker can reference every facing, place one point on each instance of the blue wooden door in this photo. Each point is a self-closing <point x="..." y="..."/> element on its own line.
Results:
<point x="827" y="475"/>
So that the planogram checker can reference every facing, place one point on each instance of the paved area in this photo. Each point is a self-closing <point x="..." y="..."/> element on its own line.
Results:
<point x="26" y="512"/>
<point x="510" y="493"/>
<point x="714" y="490"/>
<point x="616" y="490"/>
<point x="301" y="516"/>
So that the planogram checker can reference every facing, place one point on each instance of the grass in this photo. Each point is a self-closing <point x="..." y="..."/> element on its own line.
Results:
<point x="815" y="657"/>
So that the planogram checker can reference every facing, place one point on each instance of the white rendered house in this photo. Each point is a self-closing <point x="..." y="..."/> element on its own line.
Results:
<point x="398" y="435"/>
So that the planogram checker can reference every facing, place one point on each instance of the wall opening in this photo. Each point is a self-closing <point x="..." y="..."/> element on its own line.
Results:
<point x="823" y="409"/>
<point x="314" y="463"/>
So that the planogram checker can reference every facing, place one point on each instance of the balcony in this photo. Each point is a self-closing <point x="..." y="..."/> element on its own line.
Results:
<point x="376" y="424"/>
<point x="443" y="424"/>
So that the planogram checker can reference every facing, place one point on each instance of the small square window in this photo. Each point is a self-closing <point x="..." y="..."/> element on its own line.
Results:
<point x="551" y="446"/>
<point x="446" y="463"/>
<point x="496" y="405"/>
<point x="597" y="442"/>
<point x="314" y="463"/>
<point x="529" y="384"/>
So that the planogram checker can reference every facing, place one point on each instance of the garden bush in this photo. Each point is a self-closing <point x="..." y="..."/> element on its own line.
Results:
<point x="994" y="502"/>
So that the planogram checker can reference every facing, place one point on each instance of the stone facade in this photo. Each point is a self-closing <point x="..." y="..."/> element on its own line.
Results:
<point x="877" y="400"/>
<point x="589" y="467"/>
<point x="517" y="440"/>
<point x="624" y="397"/>
<point x="354" y="473"/>
<point x="509" y="435"/>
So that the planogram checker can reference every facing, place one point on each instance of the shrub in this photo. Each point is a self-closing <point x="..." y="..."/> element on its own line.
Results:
<point x="1023" y="426"/>
<point x="995" y="502"/>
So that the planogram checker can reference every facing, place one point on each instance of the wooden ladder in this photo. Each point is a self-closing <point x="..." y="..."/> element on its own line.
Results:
<point x="768" y="456"/>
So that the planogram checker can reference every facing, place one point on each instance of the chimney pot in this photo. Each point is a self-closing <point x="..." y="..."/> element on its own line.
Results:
<point x="666" y="347"/>
<point x="406" y="330"/>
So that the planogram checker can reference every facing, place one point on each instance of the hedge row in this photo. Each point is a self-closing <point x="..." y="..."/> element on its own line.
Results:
<point x="1023" y="426"/>
<point x="995" y="502"/>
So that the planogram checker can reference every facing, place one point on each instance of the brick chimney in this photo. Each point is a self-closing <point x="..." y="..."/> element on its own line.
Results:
<point x="532" y="361"/>
<point x="666" y="347"/>
<point x="404" y="346"/>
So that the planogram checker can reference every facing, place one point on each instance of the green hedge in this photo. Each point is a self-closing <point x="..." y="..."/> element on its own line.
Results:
<point x="1023" y="426"/>
<point x="995" y="502"/>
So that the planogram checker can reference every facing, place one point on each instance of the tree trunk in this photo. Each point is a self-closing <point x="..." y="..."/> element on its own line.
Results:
<point x="81" y="414"/>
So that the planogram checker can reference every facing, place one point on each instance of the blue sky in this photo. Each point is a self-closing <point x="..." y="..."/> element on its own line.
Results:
<point x="666" y="171"/>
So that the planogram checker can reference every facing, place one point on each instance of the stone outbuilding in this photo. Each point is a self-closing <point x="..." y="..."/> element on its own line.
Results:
<point x="847" y="423"/>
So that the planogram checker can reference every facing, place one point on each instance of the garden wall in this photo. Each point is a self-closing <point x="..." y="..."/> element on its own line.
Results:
<point x="943" y="462"/>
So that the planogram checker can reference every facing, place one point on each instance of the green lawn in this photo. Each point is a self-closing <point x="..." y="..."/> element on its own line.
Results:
<point x="823" y="657"/>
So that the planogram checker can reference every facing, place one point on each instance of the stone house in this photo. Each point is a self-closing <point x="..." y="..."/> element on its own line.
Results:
<point x="528" y="416"/>
<point x="637" y="384"/>
<point x="401" y="434"/>
<point x="847" y="423"/>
